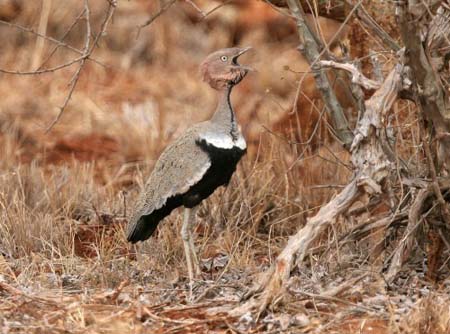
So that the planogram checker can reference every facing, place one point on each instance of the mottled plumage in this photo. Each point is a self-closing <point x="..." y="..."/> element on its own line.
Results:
<point x="182" y="165"/>
<point x="201" y="160"/>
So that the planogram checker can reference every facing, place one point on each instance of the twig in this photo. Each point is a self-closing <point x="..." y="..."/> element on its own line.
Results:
<point x="112" y="295"/>
<point x="402" y="251"/>
<point x="76" y="76"/>
<point x="62" y="38"/>
<point x="48" y="38"/>
<point x="87" y="51"/>
<point x="334" y="299"/>
<point x="14" y="291"/>
<point x="165" y="319"/>
<point x="150" y="20"/>
<point x="46" y="70"/>
<point x="206" y="14"/>
<point x="343" y="286"/>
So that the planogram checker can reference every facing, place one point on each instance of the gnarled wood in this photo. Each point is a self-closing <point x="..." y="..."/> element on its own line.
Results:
<point x="372" y="166"/>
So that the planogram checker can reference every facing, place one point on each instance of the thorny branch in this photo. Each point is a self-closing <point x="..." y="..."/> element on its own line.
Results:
<point x="88" y="49"/>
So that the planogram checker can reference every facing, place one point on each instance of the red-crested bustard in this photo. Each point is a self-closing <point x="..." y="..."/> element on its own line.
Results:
<point x="201" y="160"/>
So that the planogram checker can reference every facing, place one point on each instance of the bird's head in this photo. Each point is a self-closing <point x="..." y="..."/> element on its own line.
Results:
<point x="221" y="69"/>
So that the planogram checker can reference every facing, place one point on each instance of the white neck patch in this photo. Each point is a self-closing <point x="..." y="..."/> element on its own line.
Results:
<point x="224" y="141"/>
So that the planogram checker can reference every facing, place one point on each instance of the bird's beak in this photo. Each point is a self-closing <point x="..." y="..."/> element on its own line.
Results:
<point x="241" y="52"/>
<point x="244" y="50"/>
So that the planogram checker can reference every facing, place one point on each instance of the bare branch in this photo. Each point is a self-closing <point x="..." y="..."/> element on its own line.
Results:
<point x="48" y="38"/>
<point x="405" y="245"/>
<point x="439" y="33"/>
<point x="357" y="77"/>
<point x="206" y="14"/>
<point x="87" y="51"/>
<point x="428" y="91"/>
<point x="45" y="70"/>
<point x="432" y="170"/>
<point x="61" y="39"/>
<point x="310" y="50"/>
<point x="150" y="20"/>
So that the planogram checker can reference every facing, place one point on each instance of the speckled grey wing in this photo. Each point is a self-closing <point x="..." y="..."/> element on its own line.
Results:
<point x="179" y="167"/>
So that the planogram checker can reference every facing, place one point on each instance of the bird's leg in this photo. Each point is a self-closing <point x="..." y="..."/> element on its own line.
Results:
<point x="196" y="263"/>
<point x="185" y="235"/>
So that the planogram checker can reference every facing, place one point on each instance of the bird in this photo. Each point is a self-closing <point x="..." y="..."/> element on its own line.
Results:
<point x="201" y="160"/>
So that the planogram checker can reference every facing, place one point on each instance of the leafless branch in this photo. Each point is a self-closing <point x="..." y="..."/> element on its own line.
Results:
<point x="48" y="38"/>
<point x="405" y="244"/>
<point x="432" y="170"/>
<point x="45" y="70"/>
<point x="357" y="77"/>
<point x="310" y="50"/>
<point x="209" y="12"/>
<point x="79" y="16"/>
<point x="152" y="18"/>
<point x="87" y="51"/>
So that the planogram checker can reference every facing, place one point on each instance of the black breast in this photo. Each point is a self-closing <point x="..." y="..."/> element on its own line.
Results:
<point x="223" y="165"/>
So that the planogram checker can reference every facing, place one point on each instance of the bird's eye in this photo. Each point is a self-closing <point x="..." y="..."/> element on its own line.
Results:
<point x="224" y="58"/>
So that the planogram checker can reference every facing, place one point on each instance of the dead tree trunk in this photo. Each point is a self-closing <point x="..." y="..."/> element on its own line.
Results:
<point x="423" y="56"/>
<point x="372" y="166"/>
<point x="418" y="74"/>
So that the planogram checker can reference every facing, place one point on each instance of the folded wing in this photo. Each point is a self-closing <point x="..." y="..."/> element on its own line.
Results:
<point x="179" y="167"/>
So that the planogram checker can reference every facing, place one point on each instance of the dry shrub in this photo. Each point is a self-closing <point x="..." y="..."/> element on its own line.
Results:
<point x="431" y="315"/>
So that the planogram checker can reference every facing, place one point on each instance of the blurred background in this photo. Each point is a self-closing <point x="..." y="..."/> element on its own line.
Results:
<point x="146" y="83"/>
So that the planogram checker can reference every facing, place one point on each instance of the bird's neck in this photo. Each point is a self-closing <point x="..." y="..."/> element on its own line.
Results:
<point x="224" y="115"/>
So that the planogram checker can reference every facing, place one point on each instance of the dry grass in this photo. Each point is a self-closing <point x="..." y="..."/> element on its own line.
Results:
<point x="65" y="196"/>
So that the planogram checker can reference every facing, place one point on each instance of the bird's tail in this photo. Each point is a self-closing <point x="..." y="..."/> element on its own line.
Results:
<point x="143" y="227"/>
